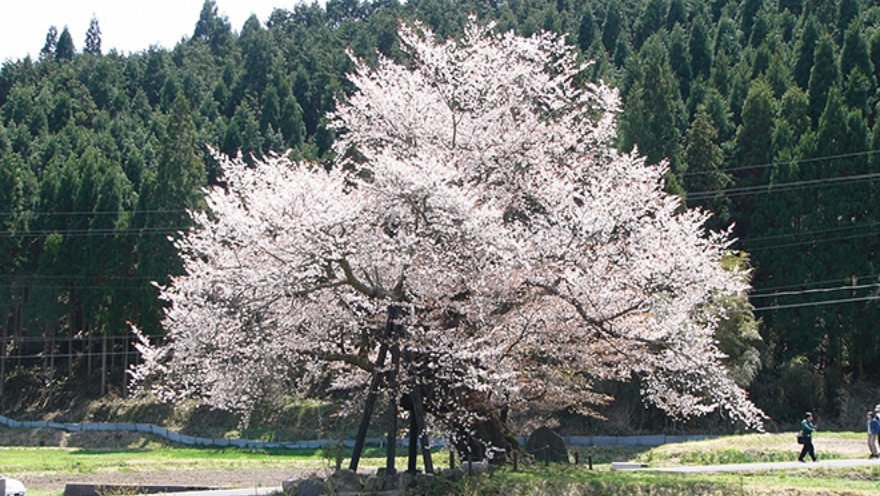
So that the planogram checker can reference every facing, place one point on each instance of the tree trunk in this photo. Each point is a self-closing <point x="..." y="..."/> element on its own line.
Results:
<point x="476" y="440"/>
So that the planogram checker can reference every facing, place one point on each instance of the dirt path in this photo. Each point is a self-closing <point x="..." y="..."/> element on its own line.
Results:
<point x="187" y="478"/>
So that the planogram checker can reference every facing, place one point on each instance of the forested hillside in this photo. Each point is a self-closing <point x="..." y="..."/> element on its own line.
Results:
<point x="765" y="110"/>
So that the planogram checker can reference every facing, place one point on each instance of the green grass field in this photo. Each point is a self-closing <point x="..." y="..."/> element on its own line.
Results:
<point x="27" y="461"/>
<point x="530" y="479"/>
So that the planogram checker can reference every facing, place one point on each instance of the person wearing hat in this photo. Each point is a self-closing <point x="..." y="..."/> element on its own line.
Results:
<point x="807" y="428"/>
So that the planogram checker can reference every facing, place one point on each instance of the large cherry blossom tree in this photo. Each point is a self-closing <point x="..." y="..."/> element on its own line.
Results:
<point x="479" y="228"/>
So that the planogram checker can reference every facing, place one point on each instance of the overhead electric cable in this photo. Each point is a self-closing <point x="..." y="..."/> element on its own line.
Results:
<point x="780" y="187"/>
<point x="94" y="232"/>
<point x="774" y="164"/>
<point x="815" y="303"/>
<point x="94" y="212"/>
<point x="811" y="242"/>
<point x="806" y="233"/>
<point x="815" y="283"/>
<point x="813" y="291"/>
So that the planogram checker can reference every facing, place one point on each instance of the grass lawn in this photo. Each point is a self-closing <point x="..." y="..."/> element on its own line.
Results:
<point x="602" y="481"/>
<point x="63" y="461"/>
<point x="530" y="479"/>
<point x="25" y="462"/>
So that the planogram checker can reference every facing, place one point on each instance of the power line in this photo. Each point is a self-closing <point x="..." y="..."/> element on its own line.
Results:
<point x="93" y="212"/>
<point x="814" y="304"/>
<point x="780" y="187"/>
<point x="87" y="288"/>
<point x="786" y="162"/>
<point x="109" y="232"/>
<point x="816" y="283"/>
<point x="805" y="233"/>
<point x="812" y="241"/>
<point x="813" y="291"/>
<point x="71" y="276"/>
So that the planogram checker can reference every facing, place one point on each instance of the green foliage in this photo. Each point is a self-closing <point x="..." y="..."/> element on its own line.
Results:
<point x="699" y="48"/>
<point x="654" y="110"/>
<point x="823" y="77"/>
<point x="93" y="38"/>
<point x="806" y="48"/>
<point x="65" y="50"/>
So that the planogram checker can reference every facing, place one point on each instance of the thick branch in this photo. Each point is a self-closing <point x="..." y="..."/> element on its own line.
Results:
<point x="358" y="285"/>
<point x="358" y="361"/>
<point x="599" y="325"/>
<point x="371" y="290"/>
<point x="317" y="287"/>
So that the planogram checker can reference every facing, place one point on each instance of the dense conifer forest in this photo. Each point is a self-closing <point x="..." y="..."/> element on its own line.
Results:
<point x="766" y="111"/>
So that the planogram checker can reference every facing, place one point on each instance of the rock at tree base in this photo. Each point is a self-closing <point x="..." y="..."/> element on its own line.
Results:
<point x="402" y="481"/>
<point x="452" y="474"/>
<point x="312" y="487"/>
<point x="374" y="484"/>
<point x="291" y="486"/>
<point x="546" y="445"/>
<point x="425" y="479"/>
<point x="346" y="481"/>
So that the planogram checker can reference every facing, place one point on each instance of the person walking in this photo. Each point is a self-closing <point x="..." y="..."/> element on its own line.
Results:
<point x="873" y="431"/>
<point x="807" y="428"/>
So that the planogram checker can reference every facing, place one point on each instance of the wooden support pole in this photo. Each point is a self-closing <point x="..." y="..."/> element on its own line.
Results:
<point x="375" y="380"/>
<point x="103" y="365"/>
<point x="418" y="415"/>
<point x="125" y="350"/>
<point x="413" y="454"/>
<point x="393" y="399"/>
<point x="421" y="425"/>
<point x="89" y="356"/>
<point x="369" y="404"/>
<point x="51" y="373"/>
<point x="2" y="360"/>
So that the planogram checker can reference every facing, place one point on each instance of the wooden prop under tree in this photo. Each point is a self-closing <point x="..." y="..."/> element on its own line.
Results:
<point x="472" y="440"/>
<point x="418" y="431"/>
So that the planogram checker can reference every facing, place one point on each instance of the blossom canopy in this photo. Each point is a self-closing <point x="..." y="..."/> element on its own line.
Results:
<point x="477" y="204"/>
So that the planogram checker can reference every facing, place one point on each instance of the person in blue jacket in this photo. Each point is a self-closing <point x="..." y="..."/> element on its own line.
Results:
<point x="873" y="432"/>
<point x="807" y="428"/>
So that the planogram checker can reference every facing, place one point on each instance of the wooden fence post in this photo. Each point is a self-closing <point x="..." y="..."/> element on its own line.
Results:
<point x="103" y="365"/>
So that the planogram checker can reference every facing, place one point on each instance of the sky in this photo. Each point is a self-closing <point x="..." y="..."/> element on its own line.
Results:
<point x="127" y="25"/>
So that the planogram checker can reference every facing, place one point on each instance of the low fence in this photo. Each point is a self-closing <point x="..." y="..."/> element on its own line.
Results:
<point x="650" y="441"/>
<point x="58" y="358"/>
